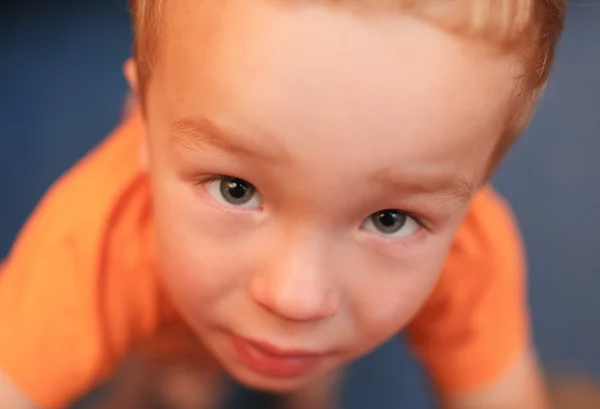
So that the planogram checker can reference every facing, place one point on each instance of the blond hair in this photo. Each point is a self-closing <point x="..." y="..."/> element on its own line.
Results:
<point x="529" y="27"/>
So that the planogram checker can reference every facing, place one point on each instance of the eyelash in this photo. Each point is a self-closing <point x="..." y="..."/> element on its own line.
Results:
<point x="205" y="180"/>
<point x="419" y="219"/>
<point x="421" y="222"/>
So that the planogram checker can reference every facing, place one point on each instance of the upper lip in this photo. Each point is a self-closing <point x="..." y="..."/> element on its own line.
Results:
<point x="274" y="350"/>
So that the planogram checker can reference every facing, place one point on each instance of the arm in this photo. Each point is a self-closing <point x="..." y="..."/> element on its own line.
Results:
<point x="521" y="386"/>
<point x="11" y="397"/>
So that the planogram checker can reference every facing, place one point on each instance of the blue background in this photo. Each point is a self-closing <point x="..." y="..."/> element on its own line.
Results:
<point x="61" y="92"/>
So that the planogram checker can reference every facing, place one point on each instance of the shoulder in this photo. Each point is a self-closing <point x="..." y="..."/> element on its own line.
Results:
<point x="95" y="224"/>
<point x="487" y="256"/>
<point x="82" y="208"/>
<point x="476" y="320"/>
<point x="82" y="200"/>
<point x="487" y="244"/>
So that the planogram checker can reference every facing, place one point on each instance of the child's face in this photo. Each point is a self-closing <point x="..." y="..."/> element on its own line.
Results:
<point x="310" y="168"/>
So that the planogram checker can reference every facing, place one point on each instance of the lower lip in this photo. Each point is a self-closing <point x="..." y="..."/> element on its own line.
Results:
<point x="273" y="365"/>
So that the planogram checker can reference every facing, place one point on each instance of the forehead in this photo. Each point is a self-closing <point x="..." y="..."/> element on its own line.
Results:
<point x="309" y="74"/>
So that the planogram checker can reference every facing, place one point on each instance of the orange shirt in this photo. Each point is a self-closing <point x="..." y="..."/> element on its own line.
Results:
<point x="80" y="288"/>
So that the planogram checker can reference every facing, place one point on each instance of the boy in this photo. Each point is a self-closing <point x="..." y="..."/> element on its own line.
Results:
<point x="304" y="180"/>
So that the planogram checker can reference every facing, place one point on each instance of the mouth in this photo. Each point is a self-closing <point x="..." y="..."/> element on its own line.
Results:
<point x="272" y="361"/>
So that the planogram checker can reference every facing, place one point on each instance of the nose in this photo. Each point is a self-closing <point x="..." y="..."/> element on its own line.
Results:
<point x="295" y="283"/>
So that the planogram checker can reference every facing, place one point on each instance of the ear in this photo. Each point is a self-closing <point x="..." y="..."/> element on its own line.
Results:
<point x="130" y="71"/>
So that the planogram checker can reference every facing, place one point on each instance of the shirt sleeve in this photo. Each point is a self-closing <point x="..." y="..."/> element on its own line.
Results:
<point x="69" y="305"/>
<point x="475" y="324"/>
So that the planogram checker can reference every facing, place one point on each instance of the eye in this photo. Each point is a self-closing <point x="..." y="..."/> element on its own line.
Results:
<point x="393" y="223"/>
<point x="232" y="191"/>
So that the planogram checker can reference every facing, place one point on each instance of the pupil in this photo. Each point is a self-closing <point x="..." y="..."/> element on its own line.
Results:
<point x="388" y="218"/>
<point x="237" y="188"/>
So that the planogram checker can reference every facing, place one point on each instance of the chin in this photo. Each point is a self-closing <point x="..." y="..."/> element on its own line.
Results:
<point x="266" y="384"/>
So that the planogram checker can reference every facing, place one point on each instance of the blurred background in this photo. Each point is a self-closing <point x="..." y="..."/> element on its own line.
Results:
<point x="61" y="92"/>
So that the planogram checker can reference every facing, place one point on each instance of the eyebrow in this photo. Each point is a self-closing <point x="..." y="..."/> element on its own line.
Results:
<point x="443" y="186"/>
<point x="192" y="133"/>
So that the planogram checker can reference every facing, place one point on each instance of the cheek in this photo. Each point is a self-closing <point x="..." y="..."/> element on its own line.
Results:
<point x="196" y="248"/>
<point x="386" y="298"/>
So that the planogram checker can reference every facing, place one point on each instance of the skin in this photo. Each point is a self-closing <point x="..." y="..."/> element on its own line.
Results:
<point x="11" y="396"/>
<point x="330" y="125"/>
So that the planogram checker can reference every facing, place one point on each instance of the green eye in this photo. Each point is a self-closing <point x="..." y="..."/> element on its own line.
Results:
<point x="388" y="221"/>
<point x="231" y="191"/>
<point x="392" y="223"/>
<point x="236" y="191"/>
